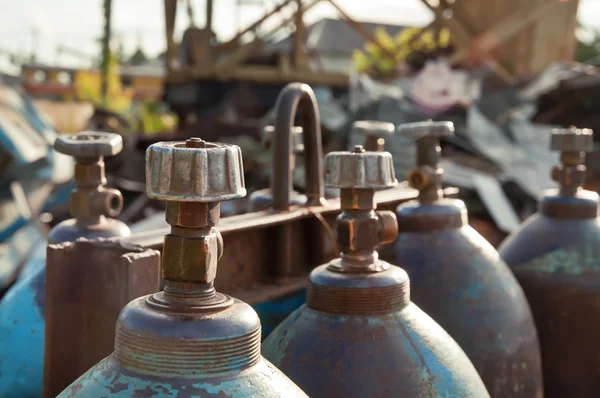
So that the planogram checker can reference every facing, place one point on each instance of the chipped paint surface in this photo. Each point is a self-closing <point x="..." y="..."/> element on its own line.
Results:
<point x="460" y="281"/>
<point x="571" y="260"/>
<point x="109" y="379"/>
<point x="548" y="245"/>
<point x="557" y="261"/>
<point x="402" y="354"/>
<point x="22" y="336"/>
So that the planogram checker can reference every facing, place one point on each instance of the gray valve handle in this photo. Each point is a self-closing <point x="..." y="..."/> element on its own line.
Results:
<point x="373" y="128"/>
<point x="572" y="140"/>
<point x="89" y="144"/>
<point x="432" y="129"/>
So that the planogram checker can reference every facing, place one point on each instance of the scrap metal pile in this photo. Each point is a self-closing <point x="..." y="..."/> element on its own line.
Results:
<point x="499" y="157"/>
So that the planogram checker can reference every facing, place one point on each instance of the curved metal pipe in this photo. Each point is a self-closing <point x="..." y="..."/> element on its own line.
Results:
<point x="297" y="99"/>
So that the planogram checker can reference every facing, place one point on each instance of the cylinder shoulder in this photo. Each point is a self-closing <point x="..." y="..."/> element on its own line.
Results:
<point x="109" y="379"/>
<point x="71" y="230"/>
<point x="404" y="353"/>
<point x="548" y="244"/>
<point x="457" y="260"/>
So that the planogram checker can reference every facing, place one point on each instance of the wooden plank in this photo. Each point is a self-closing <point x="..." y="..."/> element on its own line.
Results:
<point x="462" y="39"/>
<point x="554" y="39"/>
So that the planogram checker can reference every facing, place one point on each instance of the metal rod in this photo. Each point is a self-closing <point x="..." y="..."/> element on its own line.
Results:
<point x="209" y="15"/>
<point x="294" y="99"/>
<point x="170" y="12"/>
<point x="106" y="50"/>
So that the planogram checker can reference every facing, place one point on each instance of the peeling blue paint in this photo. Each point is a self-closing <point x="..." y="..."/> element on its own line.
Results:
<point x="22" y="336"/>
<point x="336" y="353"/>
<point x="109" y="379"/>
<point x="461" y="282"/>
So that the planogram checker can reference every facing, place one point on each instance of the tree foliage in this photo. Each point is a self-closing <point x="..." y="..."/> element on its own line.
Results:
<point x="153" y="118"/>
<point x="588" y="50"/>
<point x="387" y="54"/>
<point x="88" y="88"/>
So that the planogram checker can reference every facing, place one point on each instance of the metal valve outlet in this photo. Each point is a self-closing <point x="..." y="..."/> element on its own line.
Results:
<point x="427" y="177"/>
<point x="572" y="143"/>
<point x="91" y="199"/>
<point x="193" y="177"/>
<point x="358" y="174"/>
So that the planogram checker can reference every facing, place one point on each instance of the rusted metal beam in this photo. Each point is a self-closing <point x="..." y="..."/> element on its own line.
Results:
<point x="87" y="285"/>
<point x="245" y="269"/>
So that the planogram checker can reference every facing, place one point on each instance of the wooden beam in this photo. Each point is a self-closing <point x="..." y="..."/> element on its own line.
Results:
<point x="360" y="28"/>
<point x="229" y="62"/>
<point x="463" y="38"/>
<point x="209" y="15"/>
<point x="506" y="28"/>
<point x="227" y="65"/>
<point x="261" y="74"/>
<point x="300" y="61"/>
<point x="233" y="42"/>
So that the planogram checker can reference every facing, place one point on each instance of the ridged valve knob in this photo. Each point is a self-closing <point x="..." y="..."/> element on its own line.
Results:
<point x="89" y="144"/>
<point x="359" y="170"/>
<point x="194" y="171"/>
<point x="429" y="128"/>
<point x="572" y="140"/>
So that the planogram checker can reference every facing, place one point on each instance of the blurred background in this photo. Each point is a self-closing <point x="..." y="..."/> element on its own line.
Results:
<point x="504" y="71"/>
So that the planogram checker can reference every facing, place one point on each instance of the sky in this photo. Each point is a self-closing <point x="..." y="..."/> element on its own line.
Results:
<point x="77" y="24"/>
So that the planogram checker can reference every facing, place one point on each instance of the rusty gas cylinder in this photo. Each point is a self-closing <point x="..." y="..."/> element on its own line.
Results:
<point x="22" y="322"/>
<point x="460" y="280"/>
<point x="555" y="255"/>
<point x="375" y="133"/>
<point x="188" y="340"/>
<point x="359" y="335"/>
<point x="263" y="199"/>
